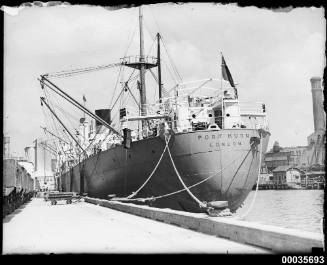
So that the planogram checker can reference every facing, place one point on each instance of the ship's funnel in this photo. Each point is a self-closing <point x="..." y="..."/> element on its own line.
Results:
<point x="319" y="115"/>
<point x="104" y="114"/>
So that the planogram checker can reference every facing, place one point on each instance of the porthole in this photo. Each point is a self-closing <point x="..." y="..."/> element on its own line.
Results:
<point x="193" y="116"/>
<point x="227" y="115"/>
<point x="210" y="115"/>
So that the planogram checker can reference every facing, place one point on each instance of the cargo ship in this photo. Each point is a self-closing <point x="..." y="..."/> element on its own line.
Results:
<point x="193" y="147"/>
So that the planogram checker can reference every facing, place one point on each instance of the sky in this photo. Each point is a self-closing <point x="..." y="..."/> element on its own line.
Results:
<point x="271" y="56"/>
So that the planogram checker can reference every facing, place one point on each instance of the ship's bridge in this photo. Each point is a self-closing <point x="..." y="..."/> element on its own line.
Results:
<point x="136" y="61"/>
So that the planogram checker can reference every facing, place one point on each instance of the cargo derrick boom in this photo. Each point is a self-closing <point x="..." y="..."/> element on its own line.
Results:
<point x="54" y="114"/>
<point x="71" y="100"/>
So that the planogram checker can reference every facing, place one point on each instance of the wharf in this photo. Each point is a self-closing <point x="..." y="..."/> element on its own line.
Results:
<point x="39" y="227"/>
<point x="273" y="238"/>
<point x="304" y="185"/>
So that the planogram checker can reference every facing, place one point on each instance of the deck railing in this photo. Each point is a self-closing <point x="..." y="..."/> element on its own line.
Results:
<point x="137" y="58"/>
<point x="252" y="107"/>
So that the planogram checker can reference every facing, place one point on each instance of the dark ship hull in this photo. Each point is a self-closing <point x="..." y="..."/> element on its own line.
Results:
<point x="226" y="156"/>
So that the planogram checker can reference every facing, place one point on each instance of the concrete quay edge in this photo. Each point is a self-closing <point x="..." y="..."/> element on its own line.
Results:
<point x="276" y="239"/>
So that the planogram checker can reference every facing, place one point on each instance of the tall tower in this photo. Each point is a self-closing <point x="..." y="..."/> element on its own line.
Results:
<point x="316" y="141"/>
<point x="6" y="146"/>
<point x="317" y="103"/>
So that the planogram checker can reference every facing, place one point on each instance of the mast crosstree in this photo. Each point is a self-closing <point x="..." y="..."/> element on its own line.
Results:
<point x="143" y="63"/>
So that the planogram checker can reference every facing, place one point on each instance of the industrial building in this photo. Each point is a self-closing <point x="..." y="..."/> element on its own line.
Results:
<point x="38" y="163"/>
<point x="277" y="157"/>
<point x="300" y="166"/>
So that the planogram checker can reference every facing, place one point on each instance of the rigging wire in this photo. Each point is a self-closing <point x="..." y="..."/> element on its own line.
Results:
<point x="129" y="41"/>
<point x="115" y="88"/>
<point x="57" y="145"/>
<point x="51" y="139"/>
<point x="163" y="41"/>
<point x="100" y="67"/>
<point x="151" y="47"/>
<point x="123" y="88"/>
<point x="79" y="106"/>
<point x="65" y="113"/>
<point x="169" y="71"/>
<point x="45" y="121"/>
<point x="63" y="133"/>
<point x="156" y="79"/>
<point x="171" y="60"/>
<point x="154" y="40"/>
<point x="73" y="119"/>
<point x="98" y="130"/>
<point x="69" y="73"/>
<point x="54" y="124"/>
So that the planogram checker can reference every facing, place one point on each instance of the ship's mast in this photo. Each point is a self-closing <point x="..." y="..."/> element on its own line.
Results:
<point x="142" y="66"/>
<point x="159" y="66"/>
<point x="222" y="92"/>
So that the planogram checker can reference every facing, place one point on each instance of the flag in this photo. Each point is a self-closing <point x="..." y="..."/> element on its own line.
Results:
<point x="84" y="99"/>
<point x="225" y="72"/>
<point x="227" y="75"/>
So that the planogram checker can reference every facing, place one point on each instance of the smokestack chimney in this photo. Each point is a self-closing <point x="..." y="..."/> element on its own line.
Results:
<point x="317" y="103"/>
<point x="35" y="155"/>
<point x="6" y="146"/>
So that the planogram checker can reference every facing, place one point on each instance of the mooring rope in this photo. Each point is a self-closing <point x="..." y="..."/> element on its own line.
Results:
<point x="186" y="188"/>
<point x="154" y="170"/>
<point x="200" y="182"/>
<point x="258" y="180"/>
<point x="181" y="190"/>
<point x="238" y="170"/>
<point x="201" y="204"/>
